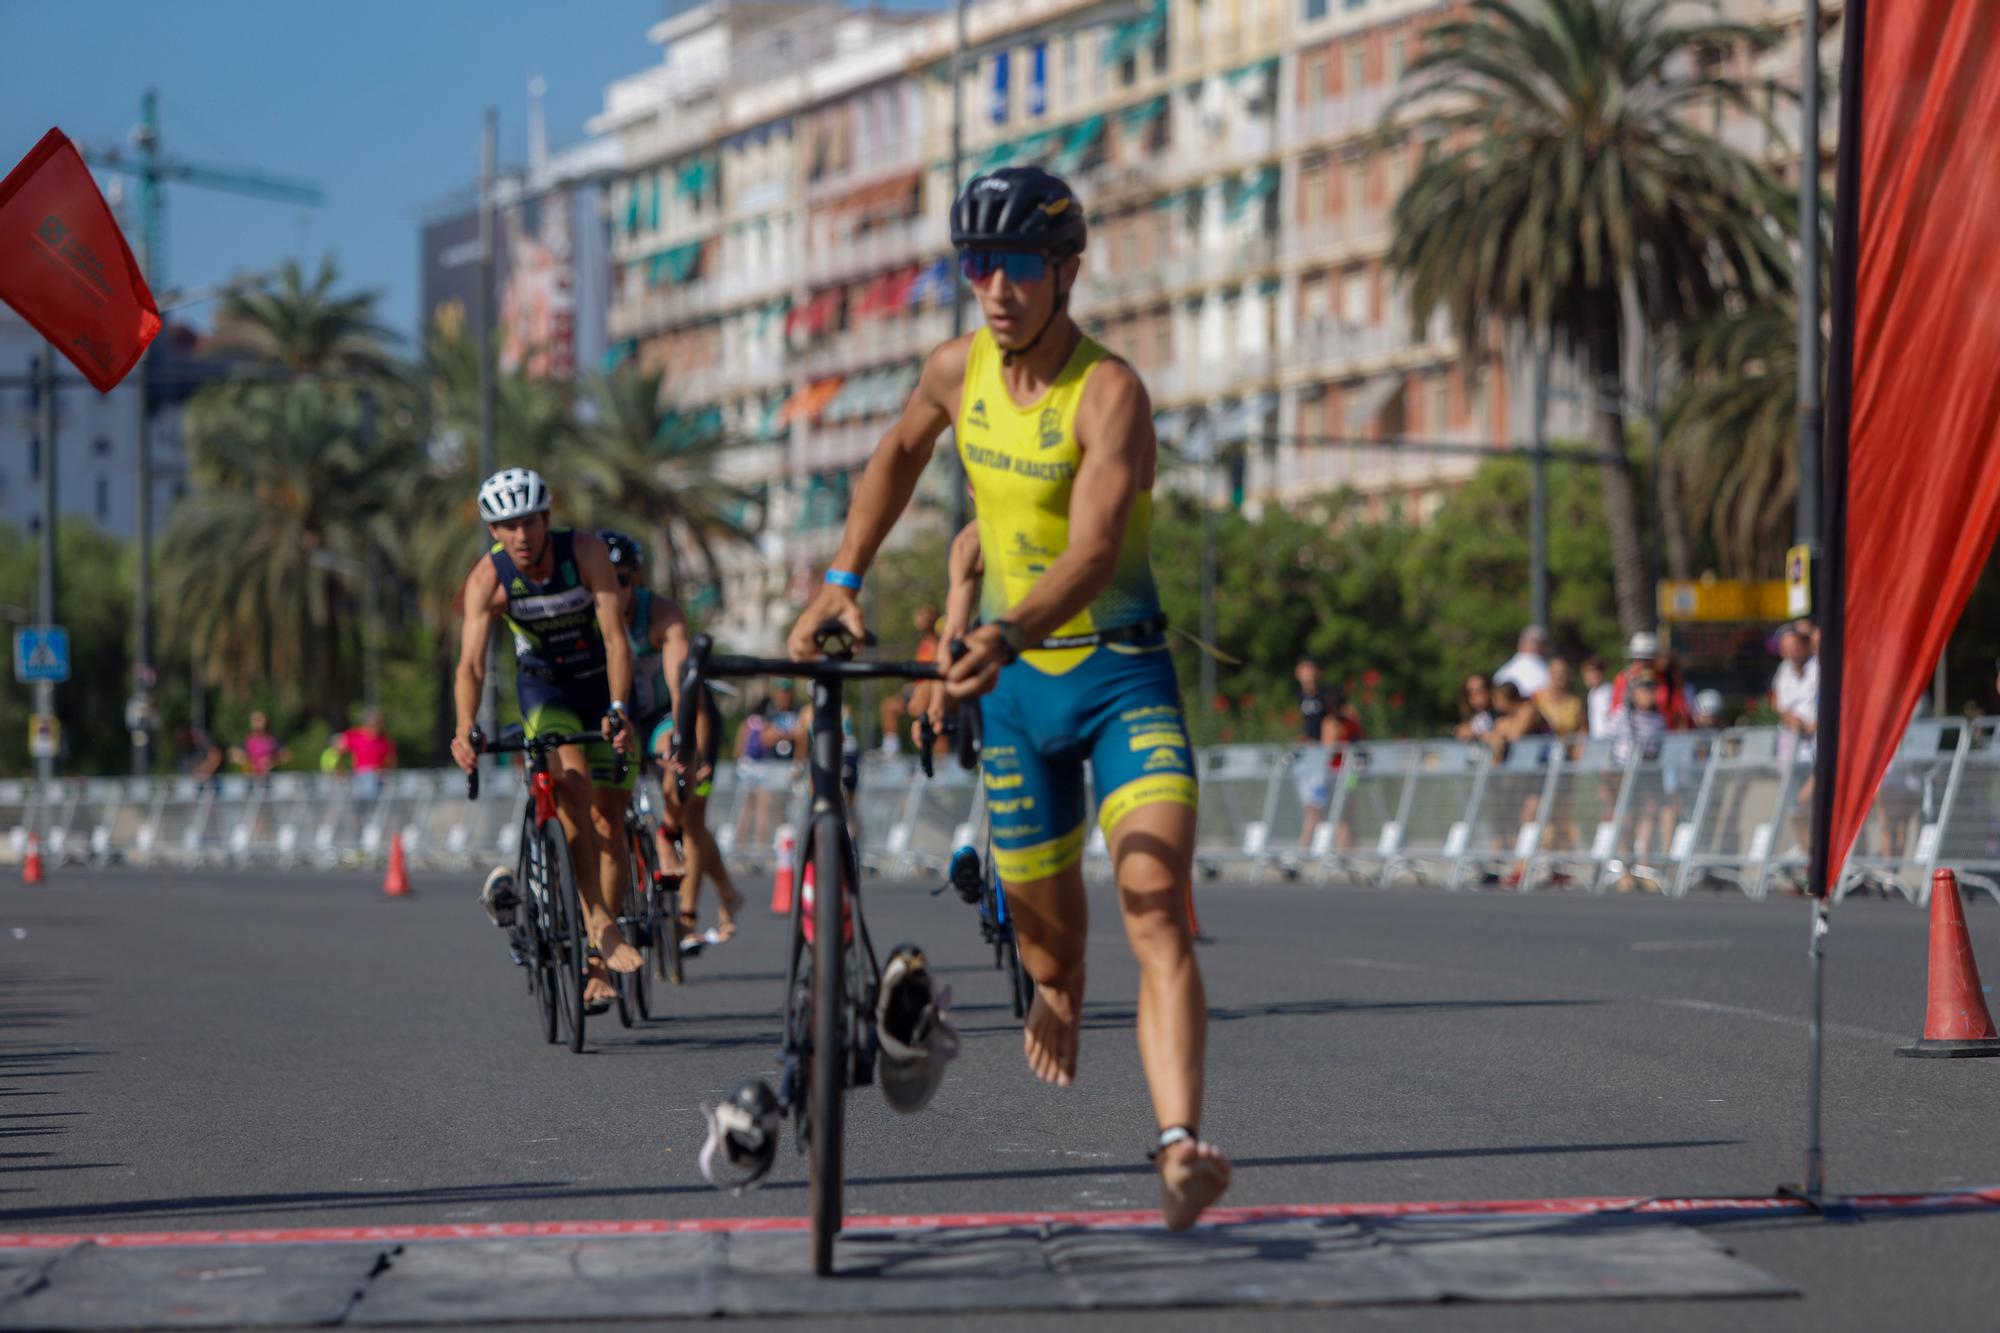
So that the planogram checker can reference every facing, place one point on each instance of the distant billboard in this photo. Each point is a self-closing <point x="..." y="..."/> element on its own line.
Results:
<point x="552" y="278"/>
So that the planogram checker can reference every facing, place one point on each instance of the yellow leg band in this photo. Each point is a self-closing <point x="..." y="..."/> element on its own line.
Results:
<point x="1019" y="865"/>
<point x="1149" y="790"/>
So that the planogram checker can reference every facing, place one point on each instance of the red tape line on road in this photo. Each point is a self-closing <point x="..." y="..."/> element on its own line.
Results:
<point x="1632" y="1205"/>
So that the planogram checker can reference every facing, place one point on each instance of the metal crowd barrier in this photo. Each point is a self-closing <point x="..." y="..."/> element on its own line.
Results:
<point x="1698" y="810"/>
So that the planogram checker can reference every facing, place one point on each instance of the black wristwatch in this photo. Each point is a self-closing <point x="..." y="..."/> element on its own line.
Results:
<point x="1010" y="639"/>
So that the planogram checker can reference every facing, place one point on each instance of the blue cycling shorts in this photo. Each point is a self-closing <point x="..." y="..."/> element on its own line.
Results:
<point x="1119" y="708"/>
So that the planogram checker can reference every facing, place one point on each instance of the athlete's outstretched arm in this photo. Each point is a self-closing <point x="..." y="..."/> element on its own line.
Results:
<point x="1114" y="429"/>
<point x="963" y="570"/>
<point x="885" y="490"/>
<point x="470" y="679"/>
<point x="670" y="635"/>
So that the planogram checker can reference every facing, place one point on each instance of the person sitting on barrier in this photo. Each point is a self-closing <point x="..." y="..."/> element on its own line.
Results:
<point x="1562" y="712"/>
<point x="1475" y="708"/>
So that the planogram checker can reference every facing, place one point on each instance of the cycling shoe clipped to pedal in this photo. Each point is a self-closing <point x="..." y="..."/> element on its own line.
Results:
<point x="742" y="1138"/>
<point x="915" y="1041"/>
<point x="499" y="898"/>
<point x="966" y="876"/>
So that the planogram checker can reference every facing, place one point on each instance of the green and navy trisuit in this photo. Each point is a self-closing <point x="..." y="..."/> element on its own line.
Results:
<point x="561" y="678"/>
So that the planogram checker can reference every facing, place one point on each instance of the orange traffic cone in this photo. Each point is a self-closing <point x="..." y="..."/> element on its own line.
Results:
<point x="781" y="882"/>
<point x="397" y="883"/>
<point x="1956" y="1021"/>
<point x="31" y="866"/>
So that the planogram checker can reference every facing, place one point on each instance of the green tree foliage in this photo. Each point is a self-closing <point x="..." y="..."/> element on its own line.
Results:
<point x="1566" y="178"/>
<point x="93" y="602"/>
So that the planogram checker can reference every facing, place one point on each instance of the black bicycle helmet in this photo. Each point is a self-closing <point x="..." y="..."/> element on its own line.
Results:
<point x="625" y="552"/>
<point x="1019" y="208"/>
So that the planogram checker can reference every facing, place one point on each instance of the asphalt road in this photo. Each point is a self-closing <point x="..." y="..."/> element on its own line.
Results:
<point x="185" y="1051"/>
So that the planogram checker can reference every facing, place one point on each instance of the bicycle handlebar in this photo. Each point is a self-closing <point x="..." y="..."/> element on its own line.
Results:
<point x="538" y="745"/>
<point x="704" y="664"/>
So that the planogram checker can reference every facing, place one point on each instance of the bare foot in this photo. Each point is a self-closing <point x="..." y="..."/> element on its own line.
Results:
<point x="1193" y="1175"/>
<point x="597" y="987"/>
<point x="618" y="955"/>
<point x="1051" y="1035"/>
<point x="729" y="903"/>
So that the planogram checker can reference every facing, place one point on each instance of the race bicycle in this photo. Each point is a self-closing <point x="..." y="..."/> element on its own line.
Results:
<point x="548" y="934"/>
<point x="829" y="1042"/>
<point x="651" y="919"/>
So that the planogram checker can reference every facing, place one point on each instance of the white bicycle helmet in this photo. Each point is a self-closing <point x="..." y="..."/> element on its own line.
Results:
<point x="513" y="492"/>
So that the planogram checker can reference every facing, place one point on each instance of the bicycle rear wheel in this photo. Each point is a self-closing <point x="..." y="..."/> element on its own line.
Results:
<point x="829" y="1037"/>
<point x="570" y="952"/>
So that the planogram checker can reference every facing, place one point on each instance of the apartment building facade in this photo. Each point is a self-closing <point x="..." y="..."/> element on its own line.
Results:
<point x="779" y="241"/>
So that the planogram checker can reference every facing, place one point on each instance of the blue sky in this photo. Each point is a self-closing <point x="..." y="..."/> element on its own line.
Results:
<point x="378" y="102"/>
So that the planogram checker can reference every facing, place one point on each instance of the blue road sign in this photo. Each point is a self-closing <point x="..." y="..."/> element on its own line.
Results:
<point x="41" y="653"/>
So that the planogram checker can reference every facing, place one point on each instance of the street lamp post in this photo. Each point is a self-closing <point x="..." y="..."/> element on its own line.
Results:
<point x="489" y="448"/>
<point x="45" y="594"/>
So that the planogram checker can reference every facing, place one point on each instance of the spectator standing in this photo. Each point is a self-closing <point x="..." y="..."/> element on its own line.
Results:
<point x="1475" y="708"/>
<point x="1597" y="696"/>
<point x="1643" y="657"/>
<point x="201" y="757"/>
<point x="261" y="752"/>
<point x="1562" y="712"/>
<point x="1528" y="669"/>
<point x="370" y="749"/>
<point x="1320" y="710"/>
<point x="1795" y="694"/>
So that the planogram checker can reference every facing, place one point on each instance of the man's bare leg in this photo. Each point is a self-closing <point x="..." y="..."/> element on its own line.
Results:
<point x="1152" y="849"/>
<point x="592" y="819"/>
<point x="1051" y="919"/>
<point x="704" y="858"/>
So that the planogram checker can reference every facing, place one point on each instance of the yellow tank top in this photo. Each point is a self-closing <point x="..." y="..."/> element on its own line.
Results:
<point x="1022" y="463"/>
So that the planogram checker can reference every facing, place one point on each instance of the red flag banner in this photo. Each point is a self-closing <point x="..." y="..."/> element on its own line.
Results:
<point x="65" y="267"/>
<point x="1913" y="441"/>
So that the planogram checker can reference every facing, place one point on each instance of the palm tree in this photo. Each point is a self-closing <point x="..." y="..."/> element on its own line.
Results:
<point x="649" y="466"/>
<point x="1732" y="429"/>
<point x="305" y="328"/>
<point x="1566" y="181"/>
<point x="283" y="472"/>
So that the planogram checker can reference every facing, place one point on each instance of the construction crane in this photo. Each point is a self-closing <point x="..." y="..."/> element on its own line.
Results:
<point x="154" y="169"/>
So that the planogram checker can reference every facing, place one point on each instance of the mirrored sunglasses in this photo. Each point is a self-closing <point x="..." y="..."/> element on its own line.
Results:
<point x="1019" y="265"/>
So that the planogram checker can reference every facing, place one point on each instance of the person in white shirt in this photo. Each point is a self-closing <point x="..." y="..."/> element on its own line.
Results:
<point x="1528" y="669"/>
<point x="1597" y="693"/>
<point x="1795" y="694"/>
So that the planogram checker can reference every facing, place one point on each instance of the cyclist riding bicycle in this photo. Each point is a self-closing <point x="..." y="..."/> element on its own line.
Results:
<point x="556" y="589"/>
<point x="657" y="630"/>
<point x="1056" y="435"/>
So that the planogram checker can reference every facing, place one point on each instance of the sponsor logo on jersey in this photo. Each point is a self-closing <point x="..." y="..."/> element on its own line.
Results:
<point x="977" y="416"/>
<point x="1163" y="758"/>
<point x="1051" y="428"/>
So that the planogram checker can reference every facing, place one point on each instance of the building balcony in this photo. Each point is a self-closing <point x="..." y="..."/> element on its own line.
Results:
<point x="1214" y="266"/>
<point x="1329" y="350"/>
<point x="1336" y="118"/>
<point x="1335" y="240"/>
<point x="874" y="343"/>
<point x="1204" y="377"/>
<point x="906" y="241"/>
<point x="839" y="448"/>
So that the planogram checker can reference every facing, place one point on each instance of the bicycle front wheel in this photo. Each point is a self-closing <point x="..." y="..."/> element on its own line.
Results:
<point x="639" y="914"/>
<point x="570" y="951"/>
<point x="829" y="1034"/>
<point x="531" y="874"/>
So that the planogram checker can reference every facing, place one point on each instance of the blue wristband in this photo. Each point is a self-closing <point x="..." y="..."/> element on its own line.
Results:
<point x="840" y="578"/>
